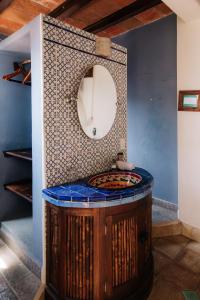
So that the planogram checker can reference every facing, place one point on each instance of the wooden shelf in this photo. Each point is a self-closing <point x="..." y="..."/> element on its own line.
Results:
<point x="21" y="188"/>
<point x="20" y="153"/>
<point x="18" y="81"/>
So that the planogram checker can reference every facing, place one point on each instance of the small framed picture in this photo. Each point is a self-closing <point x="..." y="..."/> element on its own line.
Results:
<point x="189" y="101"/>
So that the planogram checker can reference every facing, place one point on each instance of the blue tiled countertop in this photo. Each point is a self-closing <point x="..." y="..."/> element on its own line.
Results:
<point x="80" y="194"/>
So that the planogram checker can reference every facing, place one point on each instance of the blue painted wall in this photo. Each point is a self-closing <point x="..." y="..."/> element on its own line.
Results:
<point x="152" y="102"/>
<point x="15" y="132"/>
<point x="16" y="111"/>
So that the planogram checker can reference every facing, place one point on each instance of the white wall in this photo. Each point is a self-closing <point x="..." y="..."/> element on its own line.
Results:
<point x="184" y="9"/>
<point x="188" y="73"/>
<point x="38" y="165"/>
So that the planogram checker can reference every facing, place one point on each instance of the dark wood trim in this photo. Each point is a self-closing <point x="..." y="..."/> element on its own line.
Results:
<point x="68" y="8"/>
<point x="25" y="154"/>
<point x="4" y="4"/>
<point x="123" y="14"/>
<point x="21" y="188"/>
<point x="180" y="102"/>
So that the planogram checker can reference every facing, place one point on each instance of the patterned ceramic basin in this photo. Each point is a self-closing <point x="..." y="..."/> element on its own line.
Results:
<point x="115" y="180"/>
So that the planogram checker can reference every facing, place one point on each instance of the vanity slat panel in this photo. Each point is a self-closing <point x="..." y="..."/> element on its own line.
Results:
<point x="107" y="252"/>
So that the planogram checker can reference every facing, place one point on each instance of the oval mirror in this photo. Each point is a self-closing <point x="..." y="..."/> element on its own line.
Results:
<point x="97" y="102"/>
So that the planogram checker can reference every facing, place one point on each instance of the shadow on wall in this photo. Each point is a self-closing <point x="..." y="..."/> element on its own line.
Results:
<point x="152" y="102"/>
<point x="2" y="37"/>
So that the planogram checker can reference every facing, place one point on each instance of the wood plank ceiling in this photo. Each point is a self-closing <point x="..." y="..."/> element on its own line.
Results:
<point x="81" y="13"/>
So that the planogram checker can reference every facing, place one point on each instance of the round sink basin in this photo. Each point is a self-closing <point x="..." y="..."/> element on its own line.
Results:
<point x="115" y="180"/>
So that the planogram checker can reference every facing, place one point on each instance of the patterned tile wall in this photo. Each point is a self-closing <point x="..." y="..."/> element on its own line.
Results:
<point x="70" y="154"/>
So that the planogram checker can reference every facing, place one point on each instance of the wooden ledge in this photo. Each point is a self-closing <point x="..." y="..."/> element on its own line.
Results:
<point x="175" y="228"/>
<point x="191" y="232"/>
<point x="166" y="229"/>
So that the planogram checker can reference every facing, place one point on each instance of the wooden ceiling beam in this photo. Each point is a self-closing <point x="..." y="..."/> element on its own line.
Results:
<point x="68" y="8"/>
<point x="123" y="14"/>
<point x="4" y="4"/>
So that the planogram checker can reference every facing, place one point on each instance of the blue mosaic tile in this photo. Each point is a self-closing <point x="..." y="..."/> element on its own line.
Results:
<point x="97" y="198"/>
<point x="113" y="197"/>
<point x="82" y="192"/>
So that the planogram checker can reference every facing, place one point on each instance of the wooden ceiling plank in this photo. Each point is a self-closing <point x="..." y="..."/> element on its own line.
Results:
<point x="7" y="27"/>
<point x="166" y="11"/>
<point x="125" y="13"/>
<point x="48" y="4"/>
<point x="149" y="15"/>
<point x="76" y="23"/>
<point x="4" y="4"/>
<point x="22" y="12"/>
<point x="124" y="26"/>
<point x="68" y="8"/>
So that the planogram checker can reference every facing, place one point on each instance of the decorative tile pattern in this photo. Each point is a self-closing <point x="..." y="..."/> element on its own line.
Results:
<point x="51" y="21"/>
<point x="115" y="180"/>
<point x="81" y="191"/>
<point x="70" y="154"/>
<point x="70" y="39"/>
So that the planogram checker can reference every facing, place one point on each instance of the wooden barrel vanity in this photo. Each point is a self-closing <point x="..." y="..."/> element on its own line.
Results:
<point x="100" y="250"/>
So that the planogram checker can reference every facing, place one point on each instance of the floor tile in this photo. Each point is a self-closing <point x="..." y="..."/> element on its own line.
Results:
<point x="8" y="295"/>
<point x="190" y="260"/>
<point x="160" y="261"/>
<point x="8" y="257"/>
<point x="21" y="281"/>
<point x="194" y="246"/>
<point x="170" y="246"/>
<point x="3" y="284"/>
<point x="5" y="292"/>
<point x="13" y="268"/>
<point x="180" y="239"/>
<point x="164" y="290"/>
<point x="27" y="287"/>
<point x="180" y="276"/>
<point x="16" y="272"/>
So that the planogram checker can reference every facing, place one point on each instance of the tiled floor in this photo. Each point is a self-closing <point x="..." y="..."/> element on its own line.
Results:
<point x="16" y="281"/>
<point x="177" y="268"/>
